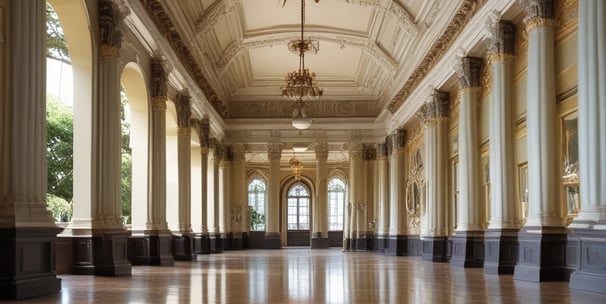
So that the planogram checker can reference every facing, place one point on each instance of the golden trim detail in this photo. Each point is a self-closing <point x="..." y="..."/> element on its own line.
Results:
<point x="500" y="57"/>
<point x="109" y="51"/>
<point x="204" y="150"/>
<point x="184" y="131"/>
<point x="536" y="22"/>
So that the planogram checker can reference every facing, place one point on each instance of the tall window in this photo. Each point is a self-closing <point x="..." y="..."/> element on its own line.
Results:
<point x="298" y="208"/>
<point x="256" y="204"/>
<point x="336" y="204"/>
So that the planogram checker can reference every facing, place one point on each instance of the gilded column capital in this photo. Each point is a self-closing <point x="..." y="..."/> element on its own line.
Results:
<point x="159" y="102"/>
<point x="468" y="72"/>
<point x="202" y="126"/>
<point x="381" y="151"/>
<point x="356" y="151"/>
<point x="110" y="32"/>
<point x="539" y="13"/>
<point x="182" y="105"/>
<point x="370" y="153"/>
<point x="321" y="150"/>
<point x="159" y="80"/>
<point x="274" y="151"/>
<point x="434" y="109"/>
<point x="217" y="148"/>
<point x="238" y="152"/>
<point x="501" y="41"/>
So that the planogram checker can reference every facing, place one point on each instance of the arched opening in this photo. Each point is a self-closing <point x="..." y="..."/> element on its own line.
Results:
<point x="76" y="87"/>
<point x="257" y="200"/>
<point x="298" y="215"/>
<point x="137" y="107"/>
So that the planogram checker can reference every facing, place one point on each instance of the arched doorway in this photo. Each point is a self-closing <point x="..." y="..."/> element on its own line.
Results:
<point x="298" y="215"/>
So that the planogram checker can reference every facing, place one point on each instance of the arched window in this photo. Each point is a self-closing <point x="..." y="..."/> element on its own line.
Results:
<point x="256" y="204"/>
<point x="298" y="208"/>
<point x="336" y="204"/>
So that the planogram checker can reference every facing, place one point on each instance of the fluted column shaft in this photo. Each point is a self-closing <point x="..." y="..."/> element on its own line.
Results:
<point x="383" y="188"/>
<point x="225" y="193"/>
<point x="273" y="191"/>
<point x="156" y="212"/>
<point x="592" y="113"/>
<point x="239" y="190"/>
<point x="320" y="210"/>
<point x="435" y="219"/>
<point x="545" y="208"/>
<point x="203" y="128"/>
<point x="356" y="191"/>
<point x="23" y="179"/>
<point x="398" y="222"/>
<point x="182" y="103"/>
<point x="504" y="210"/>
<point x="471" y="212"/>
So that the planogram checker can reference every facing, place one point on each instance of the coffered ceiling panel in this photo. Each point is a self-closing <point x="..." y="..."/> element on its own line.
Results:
<point x="368" y="49"/>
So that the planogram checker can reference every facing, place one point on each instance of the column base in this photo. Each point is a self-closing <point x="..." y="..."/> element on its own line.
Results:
<point x="403" y="245"/>
<point x="152" y="248"/>
<point x="542" y="254"/>
<point x="183" y="247"/>
<point x="319" y="242"/>
<point x="590" y="273"/>
<point x="500" y="251"/>
<point x="237" y="241"/>
<point x="381" y="243"/>
<point x="226" y="240"/>
<point x="216" y="244"/>
<point x="435" y="248"/>
<point x="335" y="239"/>
<point x="272" y="241"/>
<point x="255" y="239"/>
<point x="347" y="244"/>
<point x="201" y="243"/>
<point x="27" y="266"/>
<point x="467" y="249"/>
<point x="364" y="242"/>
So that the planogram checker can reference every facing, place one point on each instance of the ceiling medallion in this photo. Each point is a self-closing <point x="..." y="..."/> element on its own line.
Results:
<point x="301" y="85"/>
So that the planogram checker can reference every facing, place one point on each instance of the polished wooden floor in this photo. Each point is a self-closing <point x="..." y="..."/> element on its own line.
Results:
<point x="306" y="276"/>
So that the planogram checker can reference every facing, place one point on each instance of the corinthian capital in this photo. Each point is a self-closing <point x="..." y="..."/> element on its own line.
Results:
<point x="159" y="80"/>
<point x="274" y="151"/>
<point x="468" y="72"/>
<point x="182" y="105"/>
<point x="203" y="128"/>
<point x="502" y="37"/>
<point x="109" y="24"/>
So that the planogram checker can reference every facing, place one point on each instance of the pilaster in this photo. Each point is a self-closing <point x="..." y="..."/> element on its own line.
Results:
<point x="468" y="240"/>
<point x="545" y="227"/>
<point x="501" y="238"/>
<point x="435" y="221"/>
<point x="239" y="196"/>
<point x="382" y="236"/>
<point x="225" y="206"/>
<point x="216" y="153"/>
<point x="356" y="194"/>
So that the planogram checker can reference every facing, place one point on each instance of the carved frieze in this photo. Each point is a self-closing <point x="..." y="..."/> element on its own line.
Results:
<point x="162" y="20"/>
<point x="464" y="13"/>
<point x="284" y="108"/>
<point x="468" y="72"/>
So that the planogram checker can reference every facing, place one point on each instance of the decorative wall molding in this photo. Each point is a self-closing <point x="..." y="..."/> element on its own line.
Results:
<point x="282" y="109"/>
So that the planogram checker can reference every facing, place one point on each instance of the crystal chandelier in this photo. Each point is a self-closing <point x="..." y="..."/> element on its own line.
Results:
<point x="301" y="85"/>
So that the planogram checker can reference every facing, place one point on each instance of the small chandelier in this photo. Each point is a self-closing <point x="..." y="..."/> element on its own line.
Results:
<point x="296" y="166"/>
<point x="301" y="85"/>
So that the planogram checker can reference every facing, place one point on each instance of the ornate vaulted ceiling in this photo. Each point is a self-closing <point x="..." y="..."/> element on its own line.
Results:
<point x="369" y="49"/>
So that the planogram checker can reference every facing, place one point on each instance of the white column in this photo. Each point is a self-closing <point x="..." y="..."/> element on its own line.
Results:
<point x="23" y="182"/>
<point x="203" y="129"/>
<point x="106" y="175"/>
<point x="398" y="223"/>
<point x="383" y="191"/>
<point x="238" y="189"/>
<point x="435" y="220"/>
<point x="214" y="195"/>
<point x="592" y="114"/>
<point x="356" y="190"/>
<point x="471" y="212"/>
<point x="505" y="211"/>
<point x="182" y="103"/>
<point x="225" y="206"/>
<point x="272" y="228"/>
<point x="544" y="175"/>
<point x="156" y="213"/>
<point x="320" y="210"/>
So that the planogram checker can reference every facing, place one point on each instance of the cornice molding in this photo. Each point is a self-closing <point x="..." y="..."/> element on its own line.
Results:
<point x="464" y="13"/>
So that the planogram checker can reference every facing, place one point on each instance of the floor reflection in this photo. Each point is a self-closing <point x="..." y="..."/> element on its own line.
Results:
<point x="310" y="276"/>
